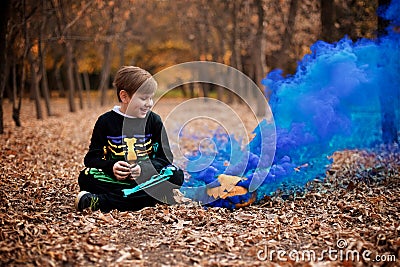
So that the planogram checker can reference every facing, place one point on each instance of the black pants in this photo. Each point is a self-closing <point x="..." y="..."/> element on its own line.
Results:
<point x="111" y="196"/>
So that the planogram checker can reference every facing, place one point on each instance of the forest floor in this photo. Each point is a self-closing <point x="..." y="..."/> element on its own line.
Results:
<point x="351" y="218"/>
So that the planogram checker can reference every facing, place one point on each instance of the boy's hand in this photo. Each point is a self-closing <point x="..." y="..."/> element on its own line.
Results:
<point x="121" y="170"/>
<point x="135" y="171"/>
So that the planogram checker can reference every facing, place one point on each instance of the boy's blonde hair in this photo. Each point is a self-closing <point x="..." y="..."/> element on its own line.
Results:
<point x="131" y="78"/>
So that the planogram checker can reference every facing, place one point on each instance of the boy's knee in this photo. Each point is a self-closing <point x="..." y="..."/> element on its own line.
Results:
<point x="84" y="180"/>
<point x="177" y="178"/>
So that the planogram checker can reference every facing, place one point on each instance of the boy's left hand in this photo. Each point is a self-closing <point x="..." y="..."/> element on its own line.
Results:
<point x="135" y="172"/>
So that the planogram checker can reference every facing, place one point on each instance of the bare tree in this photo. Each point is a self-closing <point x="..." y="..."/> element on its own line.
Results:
<point x="105" y="70"/>
<point x="16" y="94"/>
<point x="4" y="17"/>
<point x="63" y="31"/>
<point x="87" y="88"/>
<point x="327" y="20"/>
<point x="247" y="34"/>
<point x="20" y="30"/>
<point x="283" y="54"/>
<point x="58" y="77"/>
<point x="33" y="60"/>
<point x="42" y="55"/>
<point x="35" y="85"/>
<point x="259" y="54"/>
<point x="236" y="59"/>
<point x="79" y="84"/>
<point x="64" y="26"/>
<point x="116" y="34"/>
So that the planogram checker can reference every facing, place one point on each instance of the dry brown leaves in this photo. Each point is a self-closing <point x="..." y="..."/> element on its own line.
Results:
<point x="357" y="203"/>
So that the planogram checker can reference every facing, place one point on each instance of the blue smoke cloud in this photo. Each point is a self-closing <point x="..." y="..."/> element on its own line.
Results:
<point x="334" y="101"/>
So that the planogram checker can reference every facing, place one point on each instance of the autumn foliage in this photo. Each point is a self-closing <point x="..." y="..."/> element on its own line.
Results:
<point x="357" y="202"/>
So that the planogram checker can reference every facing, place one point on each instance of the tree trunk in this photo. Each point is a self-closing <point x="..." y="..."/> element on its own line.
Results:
<point x="259" y="56"/>
<point x="87" y="88"/>
<point x="235" y="46"/>
<point x="191" y="90"/>
<point x="35" y="86"/>
<point x="122" y="44"/>
<point x="4" y="16"/>
<point x="63" y="31"/>
<point x="122" y="47"/>
<point x="59" y="81"/>
<point x="42" y="56"/>
<point x="105" y="73"/>
<point x="45" y="85"/>
<point x="16" y="109"/>
<point x="5" y="71"/>
<point x="78" y="80"/>
<point x="283" y="55"/>
<point x="205" y="32"/>
<point x="327" y="20"/>
<point x="219" y="55"/>
<point x="45" y="89"/>
<point x="206" y="90"/>
<point x="70" y="76"/>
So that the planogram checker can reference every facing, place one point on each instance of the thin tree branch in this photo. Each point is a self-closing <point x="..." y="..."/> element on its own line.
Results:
<point x="80" y="13"/>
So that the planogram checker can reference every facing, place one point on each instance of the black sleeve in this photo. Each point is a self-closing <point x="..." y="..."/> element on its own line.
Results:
<point x="95" y="157"/>
<point x="162" y="156"/>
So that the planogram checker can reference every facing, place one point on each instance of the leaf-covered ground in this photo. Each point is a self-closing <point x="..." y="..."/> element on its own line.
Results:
<point x="350" y="218"/>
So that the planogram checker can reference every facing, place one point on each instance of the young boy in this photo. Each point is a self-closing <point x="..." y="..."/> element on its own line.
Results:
<point x="128" y="165"/>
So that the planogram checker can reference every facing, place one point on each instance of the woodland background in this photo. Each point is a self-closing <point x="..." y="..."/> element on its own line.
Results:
<point x="57" y="62"/>
<point x="58" y="48"/>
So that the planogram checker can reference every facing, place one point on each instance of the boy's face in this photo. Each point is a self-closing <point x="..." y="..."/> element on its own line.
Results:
<point x="140" y="104"/>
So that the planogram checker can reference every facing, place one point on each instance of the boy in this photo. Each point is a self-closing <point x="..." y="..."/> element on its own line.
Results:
<point x="128" y="165"/>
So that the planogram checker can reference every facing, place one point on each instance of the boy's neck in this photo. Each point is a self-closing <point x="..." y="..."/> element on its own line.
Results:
<point x="120" y="110"/>
<point x="123" y="107"/>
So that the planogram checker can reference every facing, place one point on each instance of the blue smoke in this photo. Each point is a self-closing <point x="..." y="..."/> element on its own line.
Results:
<point x="334" y="101"/>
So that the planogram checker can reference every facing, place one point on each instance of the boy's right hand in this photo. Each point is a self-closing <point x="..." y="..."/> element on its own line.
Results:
<point x="121" y="170"/>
